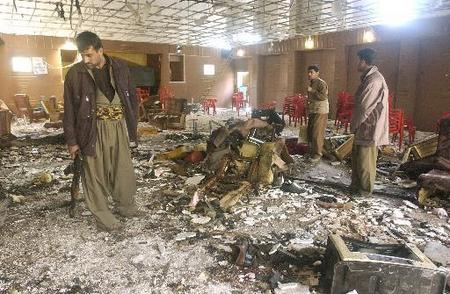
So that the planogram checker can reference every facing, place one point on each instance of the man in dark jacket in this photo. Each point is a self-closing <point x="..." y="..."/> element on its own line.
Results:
<point x="100" y="117"/>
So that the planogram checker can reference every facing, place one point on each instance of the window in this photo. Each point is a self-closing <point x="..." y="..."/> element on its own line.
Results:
<point x="176" y="63"/>
<point x="29" y="65"/>
<point x="22" y="65"/>
<point x="209" y="69"/>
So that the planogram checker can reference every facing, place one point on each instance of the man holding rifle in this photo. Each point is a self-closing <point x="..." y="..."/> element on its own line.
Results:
<point x="100" y="117"/>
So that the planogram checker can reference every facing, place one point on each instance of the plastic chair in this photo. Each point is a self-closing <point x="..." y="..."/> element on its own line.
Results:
<point x="344" y="110"/>
<point x="165" y="93"/>
<point x="288" y="108"/>
<point x="142" y="95"/>
<point x="299" y="115"/>
<point x="268" y="105"/>
<point x="396" y="125"/>
<point x="411" y="129"/>
<point x="209" y="103"/>
<point x="237" y="101"/>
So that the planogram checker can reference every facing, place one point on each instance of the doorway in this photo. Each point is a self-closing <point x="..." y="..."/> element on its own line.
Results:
<point x="242" y="84"/>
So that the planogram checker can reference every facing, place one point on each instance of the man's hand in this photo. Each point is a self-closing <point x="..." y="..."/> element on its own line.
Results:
<point x="73" y="150"/>
<point x="309" y="89"/>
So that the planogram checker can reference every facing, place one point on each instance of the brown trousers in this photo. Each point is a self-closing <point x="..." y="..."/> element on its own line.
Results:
<point x="109" y="173"/>
<point x="317" y="123"/>
<point x="364" y="165"/>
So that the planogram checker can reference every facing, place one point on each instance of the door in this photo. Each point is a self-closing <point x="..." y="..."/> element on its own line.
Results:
<point x="271" y="87"/>
<point x="242" y="84"/>
<point x="154" y="61"/>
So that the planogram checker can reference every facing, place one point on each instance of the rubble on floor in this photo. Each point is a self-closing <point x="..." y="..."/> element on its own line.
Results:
<point x="273" y="238"/>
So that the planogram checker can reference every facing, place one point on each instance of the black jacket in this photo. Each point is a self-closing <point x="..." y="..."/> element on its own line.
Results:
<point x="80" y="105"/>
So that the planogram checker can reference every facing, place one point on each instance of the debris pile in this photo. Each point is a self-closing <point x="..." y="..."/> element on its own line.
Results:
<point x="432" y="170"/>
<point x="274" y="241"/>
<point x="240" y="157"/>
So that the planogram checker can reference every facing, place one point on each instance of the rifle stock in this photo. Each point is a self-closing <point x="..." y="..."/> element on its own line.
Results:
<point x="75" y="187"/>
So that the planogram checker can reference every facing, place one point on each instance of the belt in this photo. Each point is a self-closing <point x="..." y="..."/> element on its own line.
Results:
<point x="109" y="112"/>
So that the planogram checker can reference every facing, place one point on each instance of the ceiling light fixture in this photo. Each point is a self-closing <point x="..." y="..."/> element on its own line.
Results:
<point x="397" y="12"/>
<point x="369" y="36"/>
<point x="309" y="43"/>
<point x="240" y="52"/>
<point x="69" y="45"/>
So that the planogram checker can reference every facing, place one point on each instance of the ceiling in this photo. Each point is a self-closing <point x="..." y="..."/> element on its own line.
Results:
<point x="218" y="23"/>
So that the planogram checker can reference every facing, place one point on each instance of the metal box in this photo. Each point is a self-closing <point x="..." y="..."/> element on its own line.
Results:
<point x="379" y="268"/>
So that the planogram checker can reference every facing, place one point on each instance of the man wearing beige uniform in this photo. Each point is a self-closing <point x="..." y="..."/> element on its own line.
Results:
<point x="100" y="117"/>
<point x="318" y="109"/>
<point x="370" y="123"/>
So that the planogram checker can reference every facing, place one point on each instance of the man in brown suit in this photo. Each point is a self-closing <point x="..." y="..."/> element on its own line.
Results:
<point x="318" y="108"/>
<point x="100" y="117"/>
<point x="370" y="123"/>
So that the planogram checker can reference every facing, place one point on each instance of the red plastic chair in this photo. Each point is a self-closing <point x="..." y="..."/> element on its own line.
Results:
<point x="268" y="105"/>
<point x="288" y="107"/>
<point x="299" y="115"/>
<point x="344" y="110"/>
<point x="142" y="95"/>
<point x="209" y="103"/>
<point x="396" y="125"/>
<point x="411" y="130"/>
<point x="165" y="93"/>
<point x="237" y="101"/>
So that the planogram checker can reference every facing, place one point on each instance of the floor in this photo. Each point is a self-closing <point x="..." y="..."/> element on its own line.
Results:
<point x="174" y="250"/>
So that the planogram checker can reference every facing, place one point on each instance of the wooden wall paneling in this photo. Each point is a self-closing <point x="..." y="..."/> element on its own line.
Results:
<point x="433" y="87"/>
<point x="387" y="61"/>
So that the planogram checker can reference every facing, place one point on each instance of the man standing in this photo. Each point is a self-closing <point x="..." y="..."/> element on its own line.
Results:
<point x="370" y="123"/>
<point x="100" y="116"/>
<point x="318" y="108"/>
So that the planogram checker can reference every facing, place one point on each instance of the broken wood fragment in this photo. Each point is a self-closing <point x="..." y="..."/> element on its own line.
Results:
<point x="327" y="205"/>
<point x="220" y="173"/>
<point x="233" y="197"/>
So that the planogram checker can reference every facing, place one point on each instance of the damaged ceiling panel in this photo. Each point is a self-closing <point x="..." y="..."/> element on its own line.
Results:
<point x="219" y="23"/>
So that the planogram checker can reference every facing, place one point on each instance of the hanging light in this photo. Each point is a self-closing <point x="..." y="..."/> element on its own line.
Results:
<point x="309" y="43"/>
<point x="240" y="52"/>
<point x="398" y="12"/>
<point x="369" y="36"/>
<point x="69" y="45"/>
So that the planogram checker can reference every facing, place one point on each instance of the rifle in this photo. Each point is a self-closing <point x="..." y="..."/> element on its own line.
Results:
<point x="74" y="168"/>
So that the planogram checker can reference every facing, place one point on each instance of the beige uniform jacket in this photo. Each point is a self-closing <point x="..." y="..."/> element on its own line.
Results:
<point x="318" y="97"/>
<point x="370" y="117"/>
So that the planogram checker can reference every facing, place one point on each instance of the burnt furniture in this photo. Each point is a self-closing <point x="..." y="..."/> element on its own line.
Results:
<point x="24" y="108"/>
<point x="379" y="268"/>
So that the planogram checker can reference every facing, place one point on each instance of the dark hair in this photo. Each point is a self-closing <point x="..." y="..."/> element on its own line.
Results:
<point x="368" y="55"/>
<point x="87" y="39"/>
<point x="314" y="67"/>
